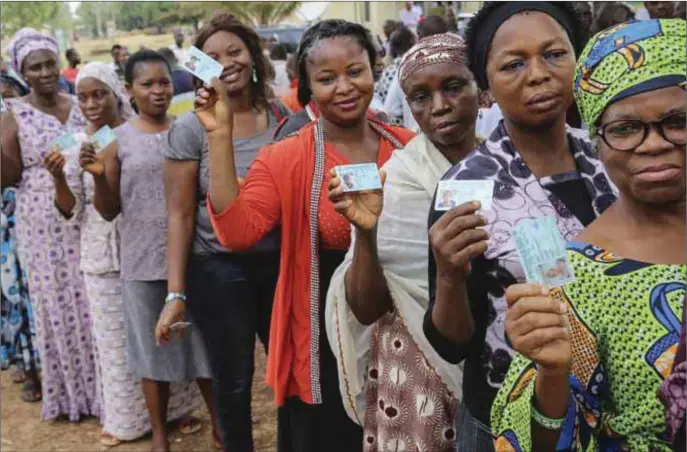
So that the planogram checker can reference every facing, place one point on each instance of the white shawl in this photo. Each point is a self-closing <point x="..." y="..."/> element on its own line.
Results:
<point x="402" y="240"/>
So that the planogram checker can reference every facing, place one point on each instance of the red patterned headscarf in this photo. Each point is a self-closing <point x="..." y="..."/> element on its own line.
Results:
<point x="435" y="49"/>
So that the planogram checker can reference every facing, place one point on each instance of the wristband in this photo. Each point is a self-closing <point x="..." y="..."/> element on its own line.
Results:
<point x="546" y="422"/>
<point x="175" y="296"/>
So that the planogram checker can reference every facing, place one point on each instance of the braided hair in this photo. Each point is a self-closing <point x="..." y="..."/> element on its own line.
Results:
<point x="328" y="29"/>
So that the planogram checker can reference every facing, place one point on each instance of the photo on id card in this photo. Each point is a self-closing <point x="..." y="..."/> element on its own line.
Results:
<point x="542" y="252"/>
<point x="453" y="193"/>
<point x="201" y="65"/>
<point x="359" y="177"/>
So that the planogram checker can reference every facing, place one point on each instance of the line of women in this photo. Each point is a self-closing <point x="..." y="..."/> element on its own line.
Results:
<point x="383" y="333"/>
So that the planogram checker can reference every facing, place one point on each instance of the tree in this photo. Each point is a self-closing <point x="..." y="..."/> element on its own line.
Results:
<point x="261" y="14"/>
<point x="188" y="13"/>
<point x="38" y="15"/>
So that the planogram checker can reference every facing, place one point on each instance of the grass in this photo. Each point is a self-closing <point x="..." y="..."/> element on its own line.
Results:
<point x="99" y="49"/>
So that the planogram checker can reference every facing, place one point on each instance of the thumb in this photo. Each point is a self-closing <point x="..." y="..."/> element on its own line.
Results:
<point x="221" y="90"/>
<point x="382" y="176"/>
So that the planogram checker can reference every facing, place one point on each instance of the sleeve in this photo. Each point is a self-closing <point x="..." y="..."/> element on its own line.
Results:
<point x="73" y="175"/>
<point x="256" y="210"/>
<point x="186" y="139"/>
<point x="511" y="413"/>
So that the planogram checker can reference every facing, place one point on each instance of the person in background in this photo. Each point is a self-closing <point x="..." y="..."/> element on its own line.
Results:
<point x="129" y="184"/>
<point x="291" y="98"/>
<point x="10" y="87"/>
<point x="49" y="252"/>
<point x="286" y="186"/>
<point x="181" y="78"/>
<point x="410" y="16"/>
<point x="432" y="25"/>
<point x="401" y="41"/>
<point x="178" y="47"/>
<point x="74" y="60"/>
<point x="388" y="29"/>
<point x="231" y="310"/>
<point x="584" y="9"/>
<point x="383" y="280"/>
<point x="612" y="14"/>
<point x="451" y="20"/>
<point x="282" y="82"/>
<point x="125" y="417"/>
<point x="582" y="380"/>
<point x="114" y="52"/>
<point x="657" y="10"/>
<point x="524" y="54"/>
<point x="680" y="10"/>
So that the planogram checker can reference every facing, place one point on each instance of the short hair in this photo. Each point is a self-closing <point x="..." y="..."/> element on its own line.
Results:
<point x="328" y="29"/>
<point x="70" y="52"/>
<point x="168" y="54"/>
<point x="140" y="57"/>
<point x="280" y="52"/>
<point x="115" y="47"/>
<point x="432" y="25"/>
<point x="229" y="23"/>
<point x="401" y="40"/>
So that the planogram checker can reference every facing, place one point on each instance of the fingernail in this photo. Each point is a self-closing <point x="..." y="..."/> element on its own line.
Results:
<point x="476" y="204"/>
<point x="563" y="308"/>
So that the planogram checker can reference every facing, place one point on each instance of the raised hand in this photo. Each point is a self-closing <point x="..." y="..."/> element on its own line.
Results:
<point x="90" y="160"/>
<point x="213" y="108"/>
<point x="54" y="162"/>
<point x="456" y="240"/>
<point x="537" y="328"/>
<point x="362" y="209"/>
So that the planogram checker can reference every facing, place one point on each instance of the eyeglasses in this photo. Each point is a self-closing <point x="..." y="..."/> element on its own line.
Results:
<point x="629" y="134"/>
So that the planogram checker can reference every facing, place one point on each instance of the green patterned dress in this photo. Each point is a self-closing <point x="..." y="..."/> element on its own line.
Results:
<point x="625" y="326"/>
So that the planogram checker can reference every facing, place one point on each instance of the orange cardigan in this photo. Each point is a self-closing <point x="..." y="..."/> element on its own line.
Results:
<point x="277" y="191"/>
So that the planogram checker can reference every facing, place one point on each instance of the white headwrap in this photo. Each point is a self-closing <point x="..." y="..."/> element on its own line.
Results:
<point x="26" y="41"/>
<point x="106" y="74"/>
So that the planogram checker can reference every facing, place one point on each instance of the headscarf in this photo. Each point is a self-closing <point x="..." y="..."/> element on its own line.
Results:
<point x="629" y="59"/>
<point x="483" y="36"/>
<point x="435" y="49"/>
<point x="106" y="74"/>
<point x="26" y="41"/>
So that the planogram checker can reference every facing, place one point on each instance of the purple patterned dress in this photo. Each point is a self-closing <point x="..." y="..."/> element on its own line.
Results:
<point x="50" y="251"/>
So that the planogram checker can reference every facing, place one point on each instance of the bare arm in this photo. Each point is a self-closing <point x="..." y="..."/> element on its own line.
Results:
<point x="11" y="163"/>
<point x="65" y="201"/>
<point x="106" y="198"/>
<point x="181" y="177"/>
<point x="366" y="290"/>
<point x="224" y="185"/>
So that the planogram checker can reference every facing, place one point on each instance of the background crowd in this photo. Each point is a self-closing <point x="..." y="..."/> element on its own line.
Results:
<point x="136" y="277"/>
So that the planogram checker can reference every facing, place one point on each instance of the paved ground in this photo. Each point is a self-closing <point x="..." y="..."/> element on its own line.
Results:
<point x="22" y="429"/>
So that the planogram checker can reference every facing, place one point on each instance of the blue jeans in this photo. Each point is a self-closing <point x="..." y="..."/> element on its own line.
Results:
<point x="471" y="434"/>
<point x="230" y="299"/>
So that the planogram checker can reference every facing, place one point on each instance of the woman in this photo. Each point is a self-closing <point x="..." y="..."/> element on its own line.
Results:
<point x="383" y="281"/>
<point x="401" y="41"/>
<point x="125" y="417"/>
<point x="524" y="53"/>
<point x="582" y="380"/>
<point x="286" y="186"/>
<point x="49" y="251"/>
<point x="230" y="310"/>
<point x="127" y="179"/>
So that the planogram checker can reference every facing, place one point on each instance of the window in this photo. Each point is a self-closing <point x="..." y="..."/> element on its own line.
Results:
<point x="366" y="12"/>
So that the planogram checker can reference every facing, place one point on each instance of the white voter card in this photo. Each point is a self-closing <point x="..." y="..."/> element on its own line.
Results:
<point x="103" y="137"/>
<point x="452" y="193"/>
<point x="64" y="142"/>
<point x="542" y="252"/>
<point x="201" y="65"/>
<point x="363" y="176"/>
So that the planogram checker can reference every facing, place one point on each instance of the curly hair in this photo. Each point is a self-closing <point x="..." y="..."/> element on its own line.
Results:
<point x="229" y="23"/>
<point x="328" y="29"/>
<point x="482" y="17"/>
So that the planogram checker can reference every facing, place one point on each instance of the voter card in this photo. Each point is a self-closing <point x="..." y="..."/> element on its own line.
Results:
<point x="102" y="137"/>
<point x="452" y="193"/>
<point x="64" y="142"/>
<point x="542" y="252"/>
<point x="363" y="176"/>
<point x="201" y="65"/>
<point x="179" y="325"/>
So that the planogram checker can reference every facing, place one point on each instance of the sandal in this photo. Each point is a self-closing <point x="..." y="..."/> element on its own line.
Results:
<point x="109" y="440"/>
<point x="31" y="392"/>
<point x="190" y="425"/>
<point x="18" y="376"/>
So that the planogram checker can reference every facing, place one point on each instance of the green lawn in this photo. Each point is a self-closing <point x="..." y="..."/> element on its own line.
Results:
<point x="99" y="49"/>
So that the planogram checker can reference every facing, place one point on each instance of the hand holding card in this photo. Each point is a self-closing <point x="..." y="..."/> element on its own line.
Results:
<point x="201" y="65"/>
<point x="452" y="193"/>
<point x="90" y="160"/>
<point x="355" y="191"/>
<point x="213" y="109"/>
<point x="102" y="138"/>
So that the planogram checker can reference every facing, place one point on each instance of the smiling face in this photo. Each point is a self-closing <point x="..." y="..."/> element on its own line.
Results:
<point x="41" y="71"/>
<point x="152" y="88"/>
<point x="341" y="79"/>
<point x="97" y="102"/>
<point x="233" y="54"/>
<point x="654" y="173"/>
<point x="443" y="100"/>
<point x="530" y="70"/>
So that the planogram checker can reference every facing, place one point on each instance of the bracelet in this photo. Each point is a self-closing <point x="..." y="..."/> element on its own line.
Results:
<point x="175" y="296"/>
<point x="546" y="422"/>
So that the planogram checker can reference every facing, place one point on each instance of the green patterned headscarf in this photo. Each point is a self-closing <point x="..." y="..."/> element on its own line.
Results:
<point x="628" y="59"/>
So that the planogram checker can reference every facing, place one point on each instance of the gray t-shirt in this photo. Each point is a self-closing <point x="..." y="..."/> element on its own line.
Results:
<point x="189" y="141"/>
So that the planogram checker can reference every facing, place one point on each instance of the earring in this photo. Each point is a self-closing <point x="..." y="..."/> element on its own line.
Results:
<point x="255" y="76"/>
